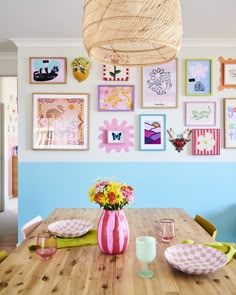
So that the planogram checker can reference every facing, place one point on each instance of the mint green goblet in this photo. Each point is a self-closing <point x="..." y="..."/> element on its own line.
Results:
<point x="146" y="252"/>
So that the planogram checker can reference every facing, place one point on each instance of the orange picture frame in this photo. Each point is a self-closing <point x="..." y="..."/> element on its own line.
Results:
<point x="227" y="73"/>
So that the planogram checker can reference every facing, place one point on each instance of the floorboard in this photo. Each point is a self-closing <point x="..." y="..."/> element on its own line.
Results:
<point x="8" y="243"/>
<point x="8" y="226"/>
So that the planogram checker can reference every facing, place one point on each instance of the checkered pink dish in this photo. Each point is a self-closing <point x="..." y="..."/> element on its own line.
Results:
<point x="195" y="259"/>
<point x="70" y="228"/>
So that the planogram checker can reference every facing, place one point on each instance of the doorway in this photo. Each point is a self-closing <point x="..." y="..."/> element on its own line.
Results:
<point x="8" y="141"/>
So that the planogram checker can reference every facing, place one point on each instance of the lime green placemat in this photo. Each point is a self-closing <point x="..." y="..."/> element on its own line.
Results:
<point x="89" y="238"/>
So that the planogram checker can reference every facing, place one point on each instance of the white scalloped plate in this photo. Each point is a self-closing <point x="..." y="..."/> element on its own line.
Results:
<point x="194" y="258"/>
<point x="70" y="228"/>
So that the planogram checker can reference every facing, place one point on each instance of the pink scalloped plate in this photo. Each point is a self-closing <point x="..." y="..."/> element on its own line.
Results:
<point x="70" y="228"/>
<point x="195" y="259"/>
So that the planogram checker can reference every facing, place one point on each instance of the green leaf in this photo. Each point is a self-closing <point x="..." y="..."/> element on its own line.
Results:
<point x="32" y="248"/>
<point x="117" y="71"/>
<point x="112" y="74"/>
<point x="82" y="70"/>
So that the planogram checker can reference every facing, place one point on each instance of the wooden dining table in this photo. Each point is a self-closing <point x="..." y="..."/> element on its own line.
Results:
<point x="86" y="270"/>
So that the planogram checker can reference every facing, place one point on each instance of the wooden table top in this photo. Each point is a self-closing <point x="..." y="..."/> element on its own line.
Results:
<point x="87" y="271"/>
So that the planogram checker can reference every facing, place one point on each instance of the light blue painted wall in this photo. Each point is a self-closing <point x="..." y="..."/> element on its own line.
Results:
<point x="204" y="188"/>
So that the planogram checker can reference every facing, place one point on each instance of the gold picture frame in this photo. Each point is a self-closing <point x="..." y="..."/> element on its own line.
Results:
<point x="229" y="122"/>
<point x="47" y="70"/>
<point x="160" y="85"/>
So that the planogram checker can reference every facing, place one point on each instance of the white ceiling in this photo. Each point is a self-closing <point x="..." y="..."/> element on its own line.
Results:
<point x="63" y="19"/>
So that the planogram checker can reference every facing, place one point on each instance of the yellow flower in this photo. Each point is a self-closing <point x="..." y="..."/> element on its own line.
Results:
<point x="104" y="200"/>
<point x="119" y="198"/>
<point x="115" y="188"/>
<point x="91" y="194"/>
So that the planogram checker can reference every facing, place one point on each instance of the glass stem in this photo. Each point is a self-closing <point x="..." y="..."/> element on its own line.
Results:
<point x="146" y="266"/>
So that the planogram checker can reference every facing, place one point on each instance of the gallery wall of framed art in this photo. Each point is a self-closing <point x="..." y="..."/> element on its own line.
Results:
<point x="184" y="90"/>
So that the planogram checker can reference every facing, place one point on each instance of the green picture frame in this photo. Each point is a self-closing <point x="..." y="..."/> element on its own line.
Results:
<point x="198" y="77"/>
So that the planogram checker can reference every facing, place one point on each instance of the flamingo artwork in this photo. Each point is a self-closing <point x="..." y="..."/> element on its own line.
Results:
<point x="61" y="121"/>
<point x="55" y="113"/>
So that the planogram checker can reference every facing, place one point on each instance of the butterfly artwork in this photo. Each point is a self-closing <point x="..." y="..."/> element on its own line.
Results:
<point x="115" y="136"/>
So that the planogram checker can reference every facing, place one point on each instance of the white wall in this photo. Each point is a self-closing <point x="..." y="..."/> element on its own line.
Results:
<point x="8" y="87"/>
<point x="8" y="65"/>
<point x="175" y="117"/>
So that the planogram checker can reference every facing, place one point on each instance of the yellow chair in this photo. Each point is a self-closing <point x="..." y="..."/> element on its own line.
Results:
<point x="3" y="255"/>
<point x="206" y="225"/>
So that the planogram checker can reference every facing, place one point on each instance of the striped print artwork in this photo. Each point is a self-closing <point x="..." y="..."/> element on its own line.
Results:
<point x="113" y="232"/>
<point x="206" y="142"/>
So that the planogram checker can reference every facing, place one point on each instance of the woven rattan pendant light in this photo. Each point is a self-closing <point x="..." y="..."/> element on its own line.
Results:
<point x="132" y="32"/>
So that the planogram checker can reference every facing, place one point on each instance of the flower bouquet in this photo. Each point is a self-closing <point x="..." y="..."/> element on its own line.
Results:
<point x="113" y="228"/>
<point x="111" y="194"/>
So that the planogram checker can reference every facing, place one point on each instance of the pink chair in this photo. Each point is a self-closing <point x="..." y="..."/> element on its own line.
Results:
<point x="30" y="226"/>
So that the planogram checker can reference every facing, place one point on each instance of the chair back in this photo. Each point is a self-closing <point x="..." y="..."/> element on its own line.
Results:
<point x="206" y="225"/>
<point x="3" y="255"/>
<point x="30" y="226"/>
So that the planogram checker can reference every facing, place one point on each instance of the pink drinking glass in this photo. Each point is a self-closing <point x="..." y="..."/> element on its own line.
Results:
<point x="167" y="229"/>
<point x="46" y="245"/>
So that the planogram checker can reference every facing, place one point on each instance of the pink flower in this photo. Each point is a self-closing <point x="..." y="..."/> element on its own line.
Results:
<point x="128" y="193"/>
<point x="99" y="187"/>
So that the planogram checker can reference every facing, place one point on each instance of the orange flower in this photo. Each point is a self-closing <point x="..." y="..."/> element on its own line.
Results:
<point x="98" y="197"/>
<point x="112" y="198"/>
<point x="127" y="187"/>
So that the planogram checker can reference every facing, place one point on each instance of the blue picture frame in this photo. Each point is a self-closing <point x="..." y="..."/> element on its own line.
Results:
<point x="152" y="132"/>
<point x="198" y="77"/>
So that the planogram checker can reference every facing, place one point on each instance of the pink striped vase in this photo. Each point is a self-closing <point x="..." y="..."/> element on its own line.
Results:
<point x="113" y="232"/>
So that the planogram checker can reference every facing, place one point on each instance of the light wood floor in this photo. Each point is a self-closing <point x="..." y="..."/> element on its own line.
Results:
<point x="8" y="243"/>
<point x="8" y="234"/>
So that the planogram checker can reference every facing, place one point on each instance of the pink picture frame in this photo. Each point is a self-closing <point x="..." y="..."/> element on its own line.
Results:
<point x="200" y="113"/>
<point x="116" y="136"/>
<point x="206" y="142"/>
<point x="60" y="121"/>
<point x="47" y="70"/>
<point x="118" y="98"/>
